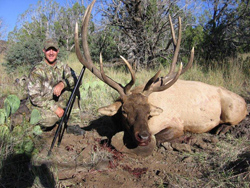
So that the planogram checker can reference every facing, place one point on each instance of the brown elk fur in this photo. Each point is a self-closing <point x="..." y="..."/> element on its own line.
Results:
<point x="164" y="107"/>
<point x="186" y="106"/>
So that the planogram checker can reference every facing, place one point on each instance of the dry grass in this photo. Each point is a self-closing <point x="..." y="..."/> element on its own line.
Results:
<point x="230" y="77"/>
<point x="7" y="80"/>
<point x="95" y="97"/>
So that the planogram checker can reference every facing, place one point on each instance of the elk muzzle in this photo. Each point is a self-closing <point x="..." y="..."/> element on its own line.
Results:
<point x="143" y="138"/>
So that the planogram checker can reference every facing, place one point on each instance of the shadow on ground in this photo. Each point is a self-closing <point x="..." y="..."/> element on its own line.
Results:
<point x="241" y="165"/>
<point x="17" y="171"/>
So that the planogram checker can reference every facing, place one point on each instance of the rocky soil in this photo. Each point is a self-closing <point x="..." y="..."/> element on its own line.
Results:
<point x="197" y="160"/>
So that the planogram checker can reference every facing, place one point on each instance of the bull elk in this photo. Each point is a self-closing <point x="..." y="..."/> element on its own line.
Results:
<point x="164" y="108"/>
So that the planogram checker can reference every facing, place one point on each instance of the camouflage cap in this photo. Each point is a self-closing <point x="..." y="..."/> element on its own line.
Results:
<point x="51" y="43"/>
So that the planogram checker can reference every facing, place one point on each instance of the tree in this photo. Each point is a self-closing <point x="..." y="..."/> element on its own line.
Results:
<point x="2" y="29"/>
<point x="145" y="29"/>
<point x="65" y="25"/>
<point x="23" y="54"/>
<point x="104" y="41"/>
<point x="227" y="30"/>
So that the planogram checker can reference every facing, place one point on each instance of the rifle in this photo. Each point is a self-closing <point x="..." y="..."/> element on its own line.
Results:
<point x="63" y="123"/>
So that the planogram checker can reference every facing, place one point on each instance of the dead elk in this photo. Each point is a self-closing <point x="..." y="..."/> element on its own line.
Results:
<point x="164" y="108"/>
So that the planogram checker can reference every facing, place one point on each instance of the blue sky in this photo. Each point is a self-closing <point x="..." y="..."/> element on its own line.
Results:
<point x="11" y="9"/>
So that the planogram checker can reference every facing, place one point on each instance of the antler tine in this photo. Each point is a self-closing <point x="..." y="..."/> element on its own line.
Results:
<point x="169" y="84"/>
<point x="171" y="73"/>
<point x="163" y="83"/>
<point x="151" y="81"/>
<point x="122" y="90"/>
<point x="190" y="62"/>
<point x="86" y="59"/>
<point x="172" y="68"/>
<point x="108" y="80"/>
<point x="132" y="81"/>
<point x="77" y="47"/>
<point x="172" y="29"/>
<point x="84" y="29"/>
<point x="176" y="47"/>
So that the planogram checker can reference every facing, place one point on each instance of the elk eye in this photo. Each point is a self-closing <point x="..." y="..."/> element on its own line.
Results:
<point x="149" y="117"/>
<point x="124" y="113"/>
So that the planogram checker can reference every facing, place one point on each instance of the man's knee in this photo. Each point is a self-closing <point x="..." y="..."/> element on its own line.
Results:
<point x="48" y="119"/>
<point x="48" y="122"/>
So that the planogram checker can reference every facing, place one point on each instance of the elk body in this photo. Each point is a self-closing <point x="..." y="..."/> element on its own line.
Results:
<point x="165" y="107"/>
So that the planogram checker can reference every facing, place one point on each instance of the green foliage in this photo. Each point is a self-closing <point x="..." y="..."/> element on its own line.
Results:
<point x="37" y="130"/>
<point x="34" y="117"/>
<point x="20" y="140"/>
<point x="41" y="21"/>
<point x="2" y="116"/>
<point x="11" y="104"/>
<point x="246" y="65"/>
<point x="25" y="146"/>
<point x="14" y="103"/>
<point x="193" y="37"/>
<point x="4" y="130"/>
<point x="225" y="32"/>
<point x="24" y="53"/>
<point x="92" y="90"/>
<point x="64" y="26"/>
<point x="104" y="42"/>
<point x="139" y="31"/>
<point x="7" y="108"/>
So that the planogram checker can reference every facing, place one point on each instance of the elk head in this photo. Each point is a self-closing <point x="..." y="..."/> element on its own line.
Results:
<point x="133" y="106"/>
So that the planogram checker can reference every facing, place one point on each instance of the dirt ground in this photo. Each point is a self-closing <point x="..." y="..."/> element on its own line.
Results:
<point x="200" y="160"/>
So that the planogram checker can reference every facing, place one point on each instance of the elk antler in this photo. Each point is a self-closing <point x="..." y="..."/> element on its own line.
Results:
<point x="87" y="61"/>
<point x="155" y="84"/>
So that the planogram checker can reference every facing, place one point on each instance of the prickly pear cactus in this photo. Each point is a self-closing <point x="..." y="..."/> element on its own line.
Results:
<point x="2" y="116"/>
<point x="7" y="107"/>
<point x="35" y="116"/>
<point x="37" y="130"/>
<point x="14" y="102"/>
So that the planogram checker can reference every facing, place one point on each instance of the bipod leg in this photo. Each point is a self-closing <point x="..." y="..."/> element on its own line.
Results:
<point x="58" y="130"/>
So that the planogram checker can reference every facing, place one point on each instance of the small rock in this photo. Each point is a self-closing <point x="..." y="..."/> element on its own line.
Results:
<point x="214" y="140"/>
<point x="102" y="165"/>
<point x="202" y="145"/>
<point x="182" y="147"/>
<point x="161" y="150"/>
<point x="167" y="146"/>
<point x="188" y="159"/>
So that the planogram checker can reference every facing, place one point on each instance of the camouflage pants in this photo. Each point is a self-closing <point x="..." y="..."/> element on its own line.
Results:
<point x="49" y="118"/>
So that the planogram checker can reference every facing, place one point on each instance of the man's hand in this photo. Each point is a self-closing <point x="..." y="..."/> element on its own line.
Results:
<point x="58" y="89"/>
<point x="59" y="112"/>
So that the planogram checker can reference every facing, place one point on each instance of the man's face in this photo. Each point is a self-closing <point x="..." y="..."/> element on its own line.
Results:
<point x="51" y="54"/>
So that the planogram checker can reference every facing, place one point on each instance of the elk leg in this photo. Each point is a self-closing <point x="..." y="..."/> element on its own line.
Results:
<point x="167" y="135"/>
<point x="223" y="129"/>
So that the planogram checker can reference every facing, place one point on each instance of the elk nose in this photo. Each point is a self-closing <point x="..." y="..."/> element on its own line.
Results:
<point x="143" y="136"/>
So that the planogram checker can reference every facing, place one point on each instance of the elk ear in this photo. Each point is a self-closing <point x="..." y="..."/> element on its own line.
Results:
<point x="110" y="110"/>
<point x="155" y="111"/>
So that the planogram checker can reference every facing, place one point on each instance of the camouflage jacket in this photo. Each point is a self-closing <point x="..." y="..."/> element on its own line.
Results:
<point x="42" y="80"/>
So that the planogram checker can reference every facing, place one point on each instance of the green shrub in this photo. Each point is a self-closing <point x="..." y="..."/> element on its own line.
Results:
<point x="24" y="53"/>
